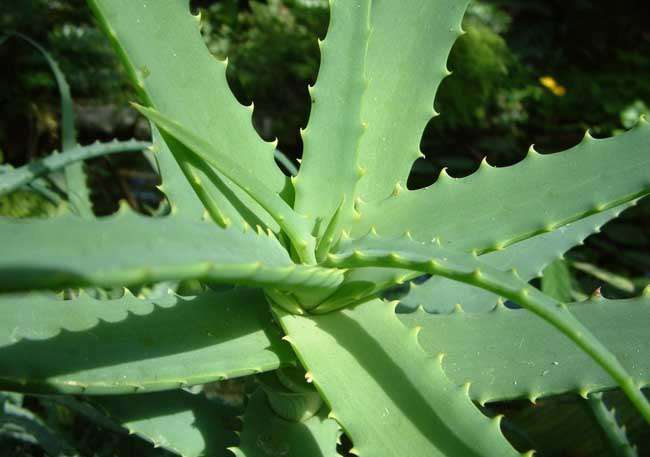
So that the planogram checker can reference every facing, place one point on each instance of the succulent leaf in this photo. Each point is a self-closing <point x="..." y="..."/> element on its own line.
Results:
<point x="405" y="63"/>
<point x="185" y="424"/>
<point x="329" y="170"/>
<point x="511" y="353"/>
<point x="496" y="207"/>
<point x="78" y="192"/>
<point x="615" y="434"/>
<point x="430" y="258"/>
<point x="174" y="184"/>
<point x="528" y="257"/>
<point x="264" y="433"/>
<point x="160" y="45"/>
<point x="129" y="249"/>
<point x="384" y="390"/>
<point x="131" y="344"/>
<point x="295" y="225"/>
<point x="17" y="177"/>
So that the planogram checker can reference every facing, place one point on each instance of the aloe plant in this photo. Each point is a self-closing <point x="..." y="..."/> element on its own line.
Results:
<point x="312" y="258"/>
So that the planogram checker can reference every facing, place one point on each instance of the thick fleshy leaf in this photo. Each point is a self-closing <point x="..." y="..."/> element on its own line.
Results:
<point x="182" y="198"/>
<point x="266" y="434"/>
<point x="134" y="345"/>
<point x="14" y="178"/>
<point x="160" y="44"/>
<point x="406" y="61"/>
<point x="496" y="207"/>
<point x="78" y="192"/>
<point x="373" y="251"/>
<point x="295" y="225"/>
<point x="130" y="249"/>
<point x="510" y="353"/>
<point x="185" y="424"/>
<point x="329" y="170"/>
<point x="615" y="434"/>
<point x="384" y="390"/>
<point x="528" y="257"/>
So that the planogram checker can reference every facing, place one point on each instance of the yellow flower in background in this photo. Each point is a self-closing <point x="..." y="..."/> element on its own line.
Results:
<point x="551" y="84"/>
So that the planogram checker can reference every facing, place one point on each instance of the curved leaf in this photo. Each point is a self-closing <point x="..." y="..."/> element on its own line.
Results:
<point x="129" y="249"/>
<point x="406" y="61"/>
<point x="14" y="178"/>
<point x="185" y="424"/>
<point x="295" y="225"/>
<point x="131" y="345"/>
<point x="160" y="44"/>
<point x="615" y="434"/>
<point x="329" y="169"/>
<point x="528" y="257"/>
<point x="266" y="434"/>
<point x="496" y="207"/>
<point x="511" y="353"/>
<point x="384" y="390"/>
<point x="405" y="253"/>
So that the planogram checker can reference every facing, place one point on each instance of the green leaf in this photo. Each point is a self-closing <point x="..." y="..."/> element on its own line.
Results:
<point x="614" y="433"/>
<point x="384" y="390"/>
<point x="78" y="192"/>
<point x="405" y="63"/>
<point x="129" y="249"/>
<point x="176" y="187"/>
<point x="496" y="207"/>
<point x="185" y="424"/>
<point x="295" y="225"/>
<point x="161" y="47"/>
<point x="14" y="178"/>
<point x="511" y="353"/>
<point x="329" y="169"/>
<point x="131" y="345"/>
<point x="556" y="281"/>
<point x="266" y="434"/>
<point x="528" y="257"/>
<point x="405" y="253"/>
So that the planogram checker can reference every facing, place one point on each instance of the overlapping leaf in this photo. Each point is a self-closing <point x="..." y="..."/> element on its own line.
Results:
<point x="130" y="249"/>
<point x="508" y="353"/>
<point x="131" y="345"/>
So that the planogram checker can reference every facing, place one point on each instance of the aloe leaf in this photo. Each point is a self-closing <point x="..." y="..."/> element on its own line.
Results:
<point x="511" y="353"/>
<point x="78" y="192"/>
<point x="557" y="281"/>
<point x="469" y="269"/>
<point x="185" y="424"/>
<point x="405" y="63"/>
<point x="161" y="47"/>
<point x="129" y="249"/>
<point x="295" y="225"/>
<point x="131" y="345"/>
<point x="496" y="207"/>
<point x="17" y="177"/>
<point x="176" y="187"/>
<point x="384" y="390"/>
<point x="329" y="170"/>
<point x="615" y="434"/>
<point x="528" y="257"/>
<point x="265" y="434"/>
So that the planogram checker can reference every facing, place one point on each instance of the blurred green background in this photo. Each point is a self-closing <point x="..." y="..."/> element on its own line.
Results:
<point x="525" y="72"/>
